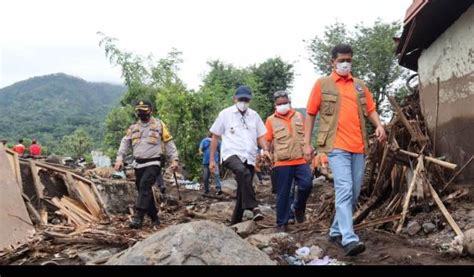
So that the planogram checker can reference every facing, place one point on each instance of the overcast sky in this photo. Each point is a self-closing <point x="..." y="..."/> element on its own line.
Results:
<point x="44" y="37"/>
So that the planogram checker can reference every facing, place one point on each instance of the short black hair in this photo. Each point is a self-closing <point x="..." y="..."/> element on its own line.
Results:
<point x="20" y="140"/>
<point x="341" y="49"/>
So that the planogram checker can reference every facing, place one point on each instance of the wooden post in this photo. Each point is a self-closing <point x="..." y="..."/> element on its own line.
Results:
<point x="445" y="212"/>
<point x="435" y="136"/>
<point x="419" y="167"/>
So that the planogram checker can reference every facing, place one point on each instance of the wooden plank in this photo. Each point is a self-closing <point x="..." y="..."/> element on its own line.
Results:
<point x="430" y="159"/>
<point x="403" y="118"/>
<point x="15" y="164"/>
<point x="98" y="198"/>
<point x="88" y="199"/>
<point x="377" y="222"/>
<point x="15" y="222"/>
<point x="419" y="166"/>
<point x="32" y="211"/>
<point x="69" y="215"/>
<point x="69" y="203"/>
<point x="445" y="212"/>
<point x="39" y="187"/>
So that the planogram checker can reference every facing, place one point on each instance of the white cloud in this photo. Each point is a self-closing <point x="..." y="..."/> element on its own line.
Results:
<point x="42" y="37"/>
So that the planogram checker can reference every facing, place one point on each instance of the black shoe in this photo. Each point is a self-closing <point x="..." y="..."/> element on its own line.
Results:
<point x="219" y="192"/>
<point x="136" y="223"/>
<point x="156" y="222"/>
<point x="299" y="215"/>
<point x="336" y="240"/>
<point x="354" y="248"/>
<point x="282" y="228"/>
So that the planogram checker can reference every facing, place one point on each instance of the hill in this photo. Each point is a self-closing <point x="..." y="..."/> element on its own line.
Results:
<point x="49" y="107"/>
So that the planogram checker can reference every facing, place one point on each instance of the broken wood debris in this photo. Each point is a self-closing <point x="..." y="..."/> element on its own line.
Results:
<point x="403" y="173"/>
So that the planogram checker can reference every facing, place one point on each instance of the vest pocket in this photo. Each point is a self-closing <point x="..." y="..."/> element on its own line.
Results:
<point x="323" y="134"/>
<point x="135" y="136"/>
<point x="282" y="152"/>
<point x="328" y="105"/>
<point x="153" y="137"/>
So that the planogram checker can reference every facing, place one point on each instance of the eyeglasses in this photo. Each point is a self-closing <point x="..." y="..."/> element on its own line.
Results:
<point x="242" y="119"/>
<point x="282" y="104"/>
<point x="280" y="93"/>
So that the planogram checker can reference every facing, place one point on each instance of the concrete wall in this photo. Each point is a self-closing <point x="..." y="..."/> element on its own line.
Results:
<point x="451" y="58"/>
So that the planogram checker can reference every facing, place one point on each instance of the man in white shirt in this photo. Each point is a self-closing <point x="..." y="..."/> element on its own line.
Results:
<point x="242" y="131"/>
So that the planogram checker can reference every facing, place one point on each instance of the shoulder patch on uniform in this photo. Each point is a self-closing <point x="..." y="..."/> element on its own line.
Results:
<point x="359" y="88"/>
<point x="166" y="136"/>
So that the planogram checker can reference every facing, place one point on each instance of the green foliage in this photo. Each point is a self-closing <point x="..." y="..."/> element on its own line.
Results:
<point x="78" y="144"/>
<point x="272" y="75"/>
<point x="188" y="114"/>
<point x="374" y="58"/>
<point x="49" y="107"/>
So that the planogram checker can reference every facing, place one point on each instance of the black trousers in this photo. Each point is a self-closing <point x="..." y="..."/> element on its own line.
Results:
<point x="145" y="179"/>
<point x="245" y="193"/>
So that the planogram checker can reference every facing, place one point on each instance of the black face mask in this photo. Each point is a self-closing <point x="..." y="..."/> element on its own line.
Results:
<point x="144" y="116"/>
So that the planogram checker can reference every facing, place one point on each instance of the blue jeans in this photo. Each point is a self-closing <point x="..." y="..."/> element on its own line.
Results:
<point x="348" y="171"/>
<point x="207" y="175"/>
<point x="284" y="177"/>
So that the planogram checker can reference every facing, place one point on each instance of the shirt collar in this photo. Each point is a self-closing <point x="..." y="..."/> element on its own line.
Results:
<point x="235" y="110"/>
<point x="336" y="77"/>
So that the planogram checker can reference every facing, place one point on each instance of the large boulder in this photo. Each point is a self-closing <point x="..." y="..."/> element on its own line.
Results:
<point x="195" y="243"/>
<point x="469" y="241"/>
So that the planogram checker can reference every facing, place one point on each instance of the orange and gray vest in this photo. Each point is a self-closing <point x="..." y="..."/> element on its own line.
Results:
<point x="329" y="112"/>
<point x="287" y="145"/>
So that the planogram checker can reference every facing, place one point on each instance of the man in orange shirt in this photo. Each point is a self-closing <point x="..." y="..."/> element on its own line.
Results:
<point x="285" y="133"/>
<point x="19" y="148"/>
<point x="35" y="149"/>
<point x="343" y="103"/>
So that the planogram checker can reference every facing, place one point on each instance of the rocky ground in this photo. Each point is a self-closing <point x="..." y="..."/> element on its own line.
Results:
<point x="195" y="230"/>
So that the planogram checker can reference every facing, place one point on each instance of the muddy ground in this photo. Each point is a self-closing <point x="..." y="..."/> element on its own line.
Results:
<point x="383" y="246"/>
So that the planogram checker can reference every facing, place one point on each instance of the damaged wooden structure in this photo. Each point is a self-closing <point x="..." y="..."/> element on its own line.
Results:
<point x="403" y="175"/>
<point x="36" y="194"/>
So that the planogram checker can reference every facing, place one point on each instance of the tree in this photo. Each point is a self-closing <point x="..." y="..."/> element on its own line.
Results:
<point x="374" y="56"/>
<point x="78" y="144"/>
<point x="272" y="75"/>
<point x="188" y="114"/>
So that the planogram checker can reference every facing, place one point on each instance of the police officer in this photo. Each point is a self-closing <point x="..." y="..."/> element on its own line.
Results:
<point x="146" y="138"/>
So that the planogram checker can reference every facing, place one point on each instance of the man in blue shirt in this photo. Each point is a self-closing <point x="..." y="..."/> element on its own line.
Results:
<point x="205" y="150"/>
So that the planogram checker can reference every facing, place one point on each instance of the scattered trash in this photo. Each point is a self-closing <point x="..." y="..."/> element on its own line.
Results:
<point x="100" y="160"/>
<point x="119" y="175"/>
<point x="303" y="252"/>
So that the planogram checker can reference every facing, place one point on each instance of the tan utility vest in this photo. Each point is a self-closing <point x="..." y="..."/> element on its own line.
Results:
<point x="329" y="112"/>
<point x="154" y="134"/>
<point x="287" y="145"/>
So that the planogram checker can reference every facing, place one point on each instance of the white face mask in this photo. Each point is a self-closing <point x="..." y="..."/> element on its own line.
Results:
<point x="283" y="109"/>
<point x="242" y="106"/>
<point x="344" y="68"/>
